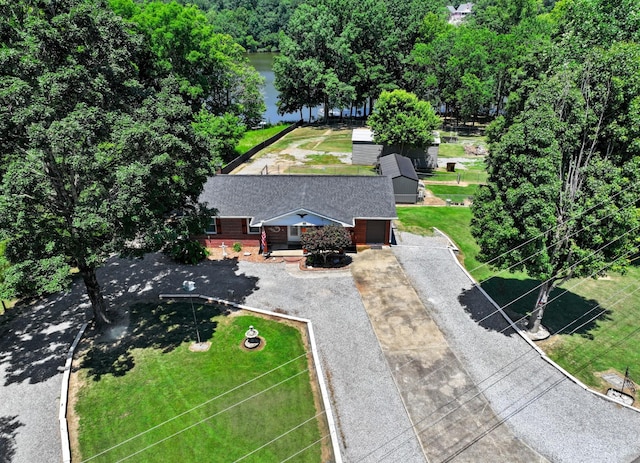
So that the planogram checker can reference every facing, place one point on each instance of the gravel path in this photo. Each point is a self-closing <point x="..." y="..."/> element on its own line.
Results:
<point x="34" y="342"/>
<point x="553" y="415"/>
<point x="366" y="401"/>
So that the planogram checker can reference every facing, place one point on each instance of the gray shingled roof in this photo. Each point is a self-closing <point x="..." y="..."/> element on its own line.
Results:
<point x="394" y="165"/>
<point x="262" y="197"/>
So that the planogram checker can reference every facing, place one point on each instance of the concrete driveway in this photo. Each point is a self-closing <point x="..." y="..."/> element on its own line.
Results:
<point x="451" y="417"/>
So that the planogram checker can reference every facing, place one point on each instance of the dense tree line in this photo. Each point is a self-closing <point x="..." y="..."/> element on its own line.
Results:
<point x="254" y="24"/>
<point x="345" y="52"/>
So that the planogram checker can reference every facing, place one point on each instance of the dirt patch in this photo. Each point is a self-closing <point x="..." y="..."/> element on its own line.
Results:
<point x="248" y="254"/>
<point x="73" y="421"/>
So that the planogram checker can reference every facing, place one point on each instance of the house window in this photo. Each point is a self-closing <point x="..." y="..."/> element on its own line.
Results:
<point x="252" y="230"/>
<point x="211" y="229"/>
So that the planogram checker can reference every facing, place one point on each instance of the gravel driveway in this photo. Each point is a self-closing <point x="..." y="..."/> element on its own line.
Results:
<point x="366" y="401"/>
<point x="556" y="417"/>
<point x="551" y="414"/>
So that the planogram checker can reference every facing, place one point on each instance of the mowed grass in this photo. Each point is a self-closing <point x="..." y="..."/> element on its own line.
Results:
<point x="317" y="138"/>
<point x="338" y="142"/>
<point x="595" y="323"/>
<point x="252" y="138"/>
<point x="449" y="191"/>
<point x="451" y="150"/>
<point x="166" y="403"/>
<point x="454" y="221"/>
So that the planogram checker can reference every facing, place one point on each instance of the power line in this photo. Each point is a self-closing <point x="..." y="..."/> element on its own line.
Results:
<point x="211" y="416"/>
<point x="553" y="299"/>
<point x="279" y="437"/>
<point x="536" y="397"/>
<point x="532" y="353"/>
<point x="306" y="448"/>
<point x="631" y="204"/>
<point x="563" y="378"/>
<point x="192" y="409"/>
<point x="540" y="235"/>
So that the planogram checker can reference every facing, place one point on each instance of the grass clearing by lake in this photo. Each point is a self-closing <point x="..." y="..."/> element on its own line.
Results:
<point x="596" y="321"/>
<point x="338" y="142"/>
<point x="178" y="405"/>
<point x="252" y="138"/>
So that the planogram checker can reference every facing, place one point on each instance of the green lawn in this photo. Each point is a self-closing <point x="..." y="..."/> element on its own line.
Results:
<point x="451" y="150"/>
<point x="584" y="347"/>
<point x="223" y="408"/>
<point x="338" y="142"/>
<point x="252" y="138"/>
<point x="454" y="192"/>
<point x="454" y="221"/>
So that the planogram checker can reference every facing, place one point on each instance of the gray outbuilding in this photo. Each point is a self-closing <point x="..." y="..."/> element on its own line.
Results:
<point x="403" y="176"/>
<point x="366" y="152"/>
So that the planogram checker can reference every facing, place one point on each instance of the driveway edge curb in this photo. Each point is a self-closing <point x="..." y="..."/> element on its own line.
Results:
<point x="64" y="397"/>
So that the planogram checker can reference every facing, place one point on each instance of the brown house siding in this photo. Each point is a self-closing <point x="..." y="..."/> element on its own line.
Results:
<point x="230" y="231"/>
<point x="235" y="231"/>
<point x="276" y="235"/>
<point x="360" y="232"/>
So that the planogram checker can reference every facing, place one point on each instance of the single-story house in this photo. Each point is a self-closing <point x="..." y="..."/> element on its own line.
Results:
<point x="366" y="152"/>
<point x="403" y="177"/>
<point x="285" y="206"/>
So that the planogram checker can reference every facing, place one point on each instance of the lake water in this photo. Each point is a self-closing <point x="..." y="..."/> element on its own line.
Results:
<point x="263" y="62"/>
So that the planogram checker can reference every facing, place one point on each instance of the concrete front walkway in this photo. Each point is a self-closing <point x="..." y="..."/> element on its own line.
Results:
<point x="451" y="417"/>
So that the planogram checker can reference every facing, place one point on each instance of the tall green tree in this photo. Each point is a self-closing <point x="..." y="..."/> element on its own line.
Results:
<point x="213" y="70"/>
<point x="564" y="176"/>
<point x="97" y="153"/>
<point x="401" y="119"/>
<point x="335" y="53"/>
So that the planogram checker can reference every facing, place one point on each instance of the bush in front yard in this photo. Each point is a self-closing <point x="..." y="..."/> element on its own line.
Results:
<point x="323" y="242"/>
<point x="187" y="251"/>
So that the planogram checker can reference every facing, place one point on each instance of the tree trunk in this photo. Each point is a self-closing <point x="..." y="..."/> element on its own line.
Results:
<point x="326" y="109"/>
<point x="98" y="304"/>
<point x="535" y="318"/>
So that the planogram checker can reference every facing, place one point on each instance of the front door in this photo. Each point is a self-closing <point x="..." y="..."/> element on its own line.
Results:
<point x="293" y="234"/>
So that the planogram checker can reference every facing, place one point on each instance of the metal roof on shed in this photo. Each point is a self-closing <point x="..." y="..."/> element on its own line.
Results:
<point x="394" y="165"/>
<point x="365" y="135"/>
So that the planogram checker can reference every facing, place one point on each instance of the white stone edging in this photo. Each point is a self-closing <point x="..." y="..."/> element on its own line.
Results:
<point x="452" y="245"/>
<point x="526" y="338"/>
<point x="314" y="349"/>
<point x="64" y="397"/>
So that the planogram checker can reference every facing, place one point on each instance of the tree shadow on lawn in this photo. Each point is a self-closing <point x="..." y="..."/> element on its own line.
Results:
<point x="8" y="431"/>
<point x="565" y="314"/>
<point x="163" y="326"/>
<point x="35" y="335"/>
